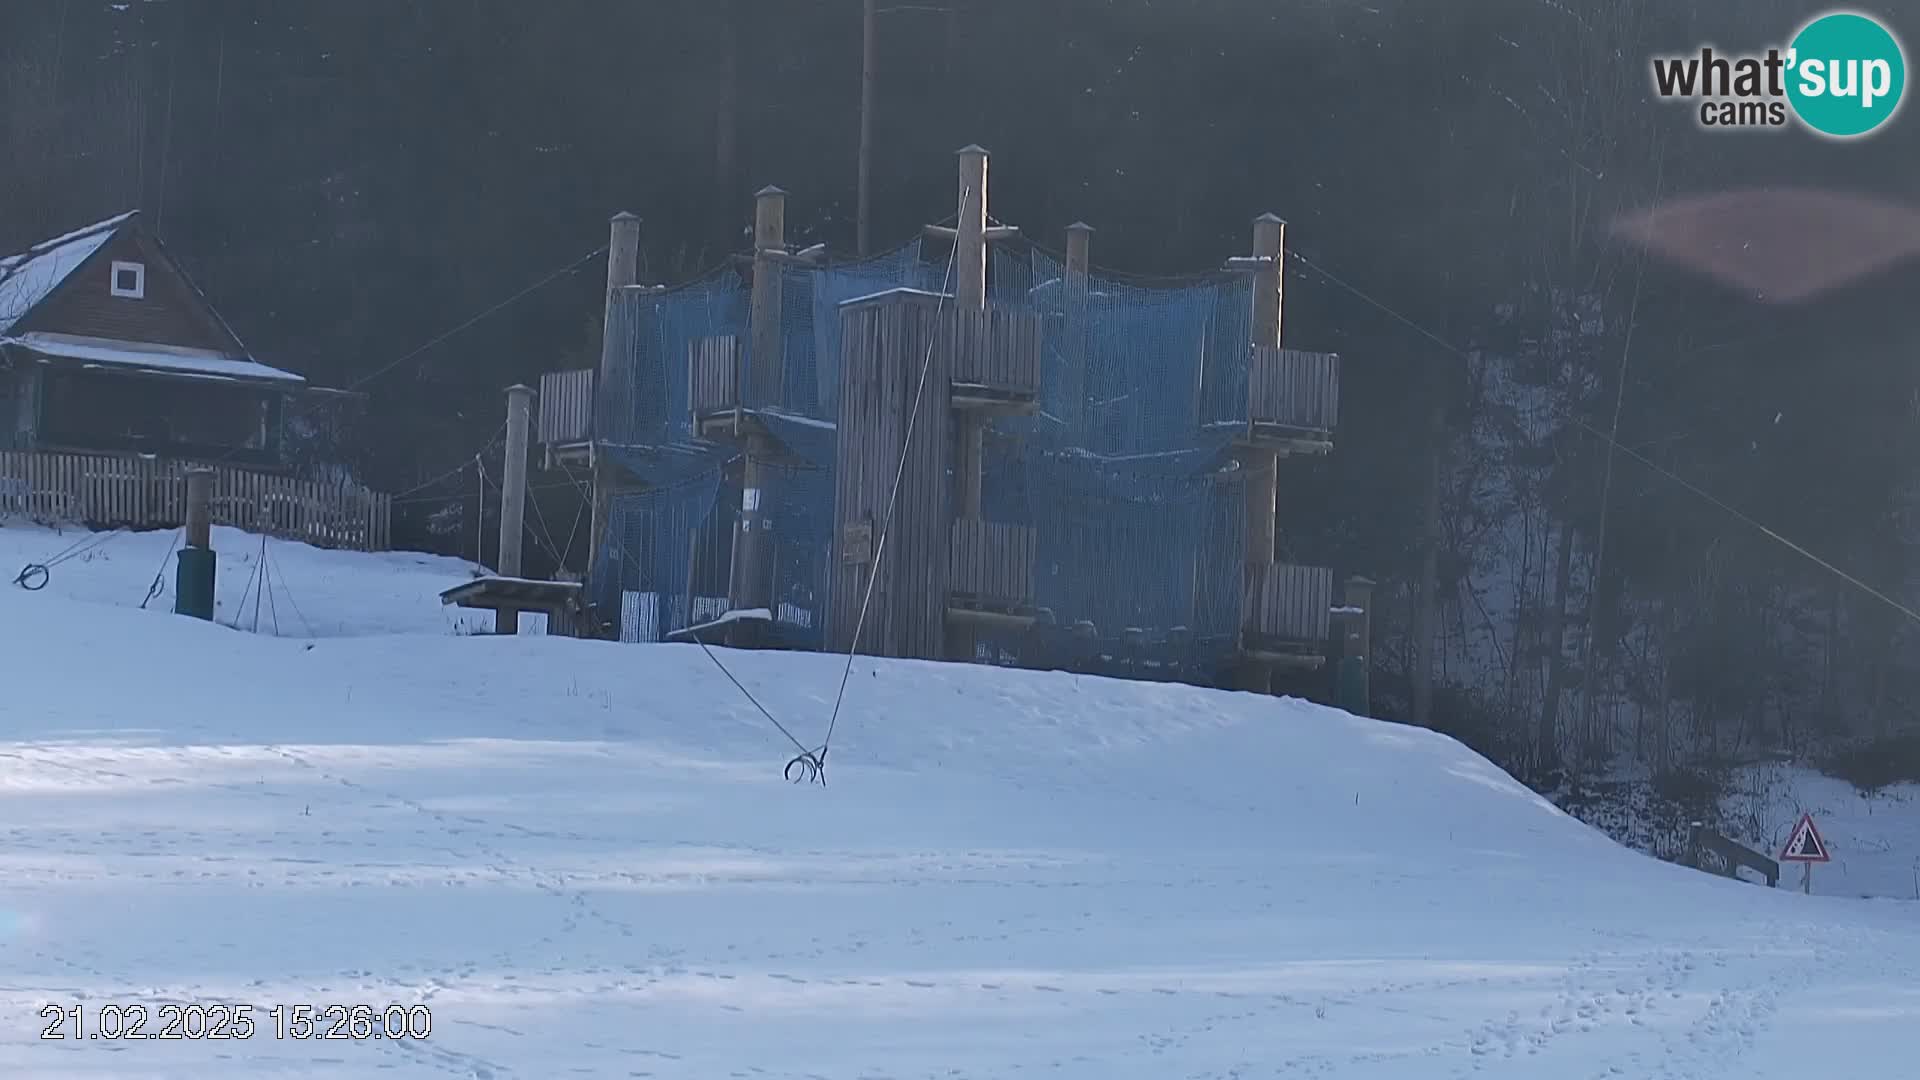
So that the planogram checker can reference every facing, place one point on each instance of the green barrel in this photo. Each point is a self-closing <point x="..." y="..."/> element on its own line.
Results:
<point x="1351" y="687"/>
<point x="193" y="583"/>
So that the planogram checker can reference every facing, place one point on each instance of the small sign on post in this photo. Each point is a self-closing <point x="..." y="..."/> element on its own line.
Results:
<point x="1805" y="847"/>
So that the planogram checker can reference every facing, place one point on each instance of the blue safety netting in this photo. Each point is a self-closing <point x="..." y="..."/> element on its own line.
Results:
<point x="1126" y="472"/>
<point x="810" y="320"/>
<point x="656" y="545"/>
<point x="643" y="399"/>
<point x="798" y="507"/>
<point x="644" y="411"/>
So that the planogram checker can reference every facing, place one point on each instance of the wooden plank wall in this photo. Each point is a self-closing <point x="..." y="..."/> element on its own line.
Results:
<point x="566" y="406"/>
<point x="713" y="374"/>
<point x="1293" y="388"/>
<point x="999" y="348"/>
<point x="111" y="490"/>
<point x="1285" y="601"/>
<point x="993" y="561"/>
<point x="885" y="341"/>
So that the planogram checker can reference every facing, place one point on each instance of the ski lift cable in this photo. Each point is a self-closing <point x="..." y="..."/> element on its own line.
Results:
<point x="1696" y="490"/>
<point x="893" y="500"/>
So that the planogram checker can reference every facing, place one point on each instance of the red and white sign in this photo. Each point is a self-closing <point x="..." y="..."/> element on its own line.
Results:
<point x="1805" y="845"/>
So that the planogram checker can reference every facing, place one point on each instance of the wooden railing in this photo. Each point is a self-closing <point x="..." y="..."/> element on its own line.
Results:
<point x="1291" y="603"/>
<point x="114" y="490"/>
<point x="997" y="349"/>
<point x="1293" y="389"/>
<point x="713" y="375"/>
<point x="991" y="561"/>
<point x="1708" y="850"/>
<point x="566" y="406"/>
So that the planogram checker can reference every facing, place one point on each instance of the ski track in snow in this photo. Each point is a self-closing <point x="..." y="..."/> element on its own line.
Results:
<point x="582" y="859"/>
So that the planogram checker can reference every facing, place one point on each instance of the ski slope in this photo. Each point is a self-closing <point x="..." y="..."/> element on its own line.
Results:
<point x="581" y="860"/>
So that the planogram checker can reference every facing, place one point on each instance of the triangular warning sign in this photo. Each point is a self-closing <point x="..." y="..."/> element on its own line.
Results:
<point x="1805" y="844"/>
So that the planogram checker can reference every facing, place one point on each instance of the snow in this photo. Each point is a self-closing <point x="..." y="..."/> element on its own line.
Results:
<point x="793" y="417"/>
<point x="581" y="857"/>
<point x="692" y="633"/>
<point x="317" y="592"/>
<point x="504" y="580"/>
<point x="1874" y="840"/>
<point x="27" y="278"/>
<point x="151" y="357"/>
<point x="895" y="290"/>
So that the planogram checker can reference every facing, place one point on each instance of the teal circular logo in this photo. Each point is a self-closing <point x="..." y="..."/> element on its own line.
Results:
<point x="1846" y="75"/>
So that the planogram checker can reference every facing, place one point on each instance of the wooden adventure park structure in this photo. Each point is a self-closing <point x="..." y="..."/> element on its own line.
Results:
<point x="999" y="456"/>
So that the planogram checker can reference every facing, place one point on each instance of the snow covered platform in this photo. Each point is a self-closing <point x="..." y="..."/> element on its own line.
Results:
<point x="559" y="601"/>
<point x="580" y="858"/>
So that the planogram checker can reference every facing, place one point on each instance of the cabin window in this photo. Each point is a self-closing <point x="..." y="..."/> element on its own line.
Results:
<point x="129" y="280"/>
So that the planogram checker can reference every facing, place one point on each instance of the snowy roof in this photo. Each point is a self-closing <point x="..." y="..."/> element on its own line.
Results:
<point x="30" y="276"/>
<point x="144" y="356"/>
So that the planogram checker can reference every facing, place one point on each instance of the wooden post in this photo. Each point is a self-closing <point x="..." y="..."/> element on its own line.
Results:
<point x="868" y="59"/>
<point x="751" y="582"/>
<point x="1357" y="659"/>
<point x="193" y="583"/>
<point x="1262" y="467"/>
<point x="969" y="295"/>
<point x="970" y="257"/>
<point x="513" y="498"/>
<point x="1074" y="384"/>
<point x="200" y="507"/>
<point x="1269" y="242"/>
<point x="766" y="368"/>
<point x="623" y="269"/>
<point x="1263" y="476"/>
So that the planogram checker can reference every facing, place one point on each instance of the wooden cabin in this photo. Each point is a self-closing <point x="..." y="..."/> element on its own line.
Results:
<point x="115" y="370"/>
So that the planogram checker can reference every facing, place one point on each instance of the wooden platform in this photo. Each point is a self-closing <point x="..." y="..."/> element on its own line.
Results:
<point x="1285" y="440"/>
<point x="559" y="601"/>
<point x="577" y="455"/>
<point x="993" y="400"/>
<point x="1277" y="652"/>
<point x="1293" y="400"/>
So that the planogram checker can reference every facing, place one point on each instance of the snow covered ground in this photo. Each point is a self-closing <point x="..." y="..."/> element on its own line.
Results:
<point x="1874" y="840"/>
<point x="312" y="592"/>
<point x="581" y="859"/>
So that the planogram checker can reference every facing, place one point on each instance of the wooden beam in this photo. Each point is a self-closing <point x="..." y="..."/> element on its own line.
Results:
<point x="989" y="234"/>
<point x="993" y="620"/>
<point x="764" y="359"/>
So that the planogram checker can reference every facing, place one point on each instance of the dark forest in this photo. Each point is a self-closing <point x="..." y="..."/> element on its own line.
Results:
<point x="1616" y="508"/>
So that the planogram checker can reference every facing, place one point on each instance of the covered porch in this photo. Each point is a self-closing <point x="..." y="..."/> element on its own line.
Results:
<point x="61" y="392"/>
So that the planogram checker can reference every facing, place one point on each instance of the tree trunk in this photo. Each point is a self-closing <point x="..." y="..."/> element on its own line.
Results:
<point x="868" y="57"/>
<point x="726" y="126"/>
<point x="1547" y="754"/>
<point x="1426" y="616"/>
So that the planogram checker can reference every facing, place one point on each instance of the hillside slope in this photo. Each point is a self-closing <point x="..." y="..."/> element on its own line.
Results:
<point x="581" y="859"/>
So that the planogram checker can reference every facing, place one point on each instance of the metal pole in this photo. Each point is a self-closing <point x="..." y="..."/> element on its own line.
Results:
<point x="867" y="60"/>
<point x="513" y="498"/>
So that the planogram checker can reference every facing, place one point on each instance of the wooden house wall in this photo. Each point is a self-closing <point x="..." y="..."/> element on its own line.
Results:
<point x="885" y="343"/>
<point x="169" y="313"/>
